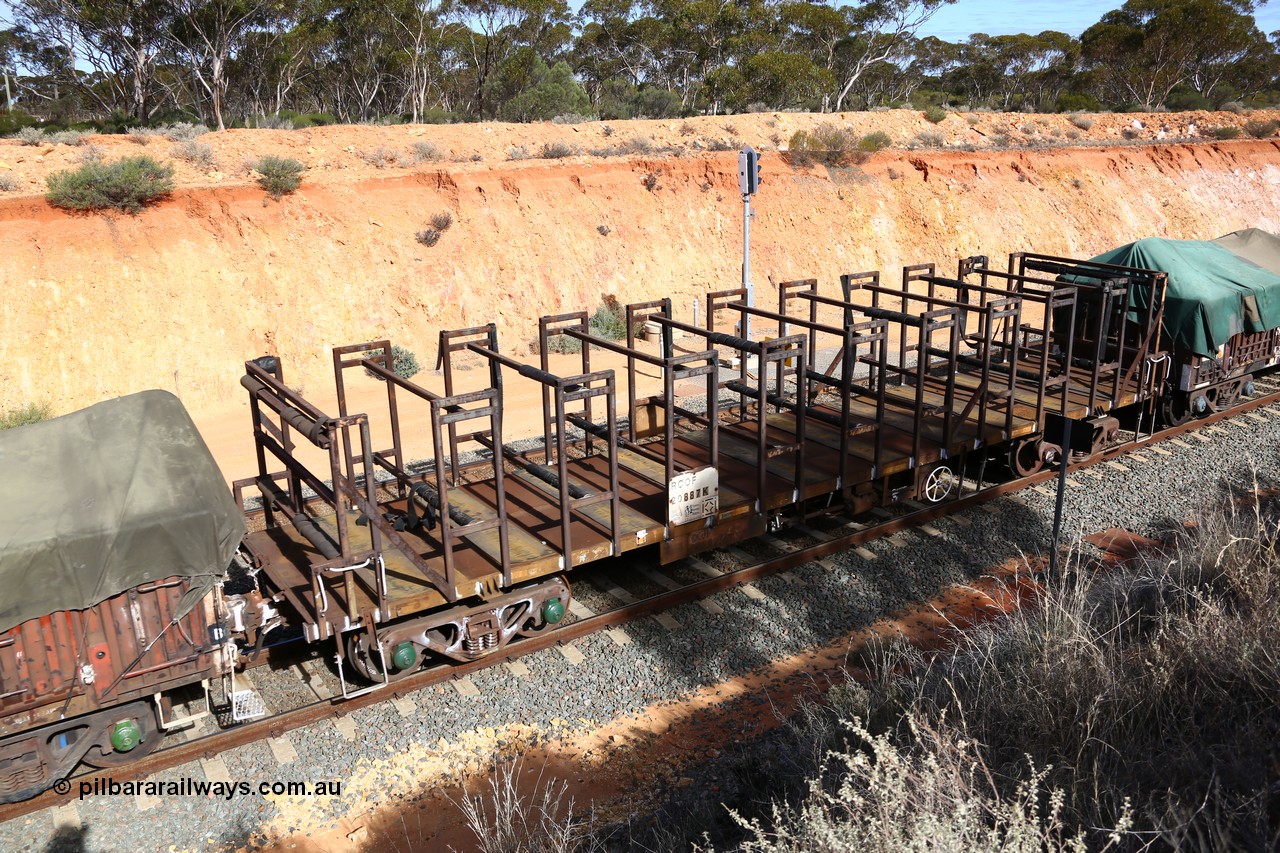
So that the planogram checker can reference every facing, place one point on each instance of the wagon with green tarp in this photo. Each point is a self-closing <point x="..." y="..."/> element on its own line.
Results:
<point x="116" y="529"/>
<point x="1221" y="313"/>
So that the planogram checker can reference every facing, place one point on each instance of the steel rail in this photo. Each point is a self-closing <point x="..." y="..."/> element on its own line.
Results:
<point x="216" y="742"/>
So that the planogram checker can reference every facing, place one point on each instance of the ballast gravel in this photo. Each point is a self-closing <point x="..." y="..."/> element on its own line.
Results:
<point x="659" y="662"/>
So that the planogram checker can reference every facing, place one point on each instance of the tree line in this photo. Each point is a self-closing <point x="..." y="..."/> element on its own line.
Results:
<point x="223" y="62"/>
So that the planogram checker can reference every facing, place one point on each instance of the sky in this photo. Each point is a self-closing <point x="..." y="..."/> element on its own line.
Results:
<point x="1006" y="17"/>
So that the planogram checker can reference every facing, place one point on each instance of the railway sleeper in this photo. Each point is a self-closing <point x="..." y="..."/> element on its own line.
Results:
<point x="392" y="652"/>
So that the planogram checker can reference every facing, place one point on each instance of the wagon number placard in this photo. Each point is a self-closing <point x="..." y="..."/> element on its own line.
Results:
<point x="693" y="495"/>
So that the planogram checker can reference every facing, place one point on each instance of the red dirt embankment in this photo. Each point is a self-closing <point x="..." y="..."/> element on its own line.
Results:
<point x="178" y="296"/>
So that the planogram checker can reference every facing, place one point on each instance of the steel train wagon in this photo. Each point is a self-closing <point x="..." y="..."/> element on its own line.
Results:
<point x="845" y="398"/>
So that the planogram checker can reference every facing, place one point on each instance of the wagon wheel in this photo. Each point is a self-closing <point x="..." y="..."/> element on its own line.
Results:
<point x="368" y="661"/>
<point x="1175" y="409"/>
<point x="136" y="725"/>
<point x="938" y="484"/>
<point x="1025" y="458"/>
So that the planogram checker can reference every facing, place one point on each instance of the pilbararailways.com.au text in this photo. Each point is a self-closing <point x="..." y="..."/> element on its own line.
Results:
<point x="188" y="787"/>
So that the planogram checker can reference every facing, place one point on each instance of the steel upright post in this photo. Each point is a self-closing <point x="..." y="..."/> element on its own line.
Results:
<point x="1062" y="488"/>
<point x="746" y="263"/>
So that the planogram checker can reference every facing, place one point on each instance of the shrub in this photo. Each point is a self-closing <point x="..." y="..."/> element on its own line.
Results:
<point x="182" y="131"/>
<point x="1261" y="129"/>
<point x="271" y="122"/>
<point x="685" y="129"/>
<point x="424" y="151"/>
<point x="607" y="130"/>
<point x="650" y="182"/>
<point x="90" y="154"/>
<point x="556" y="150"/>
<point x="139" y="135"/>
<point x="1130" y="133"/>
<point x="873" y="142"/>
<point x="8" y="183"/>
<point x="441" y="221"/>
<point x="518" y="152"/>
<point x="403" y="362"/>
<point x="196" y="153"/>
<point x="609" y="321"/>
<point x="127" y="184"/>
<point x="828" y="143"/>
<point x="1232" y="107"/>
<point x="32" y="413"/>
<point x="30" y="136"/>
<point x="573" y="118"/>
<point x="935" y="114"/>
<point x="564" y="345"/>
<point x="428" y="237"/>
<point x="66" y="137"/>
<point x="603" y="230"/>
<point x="14" y="120"/>
<point x="1226" y="132"/>
<point x="1148" y="684"/>
<point x="1082" y="122"/>
<point x="380" y="157"/>
<point x="1072" y="102"/>
<point x="279" y="176"/>
<point x="1073" y="134"/>
<point x="928" y="139"/>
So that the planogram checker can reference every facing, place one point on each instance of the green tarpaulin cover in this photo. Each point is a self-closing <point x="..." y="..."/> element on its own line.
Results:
<point x="1254" y="244"/>
<point x="1213" y="292"/>
<point x="108" y="498"/>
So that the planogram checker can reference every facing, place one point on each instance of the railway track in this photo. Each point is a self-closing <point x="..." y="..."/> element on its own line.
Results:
<point x="168" y="756"/>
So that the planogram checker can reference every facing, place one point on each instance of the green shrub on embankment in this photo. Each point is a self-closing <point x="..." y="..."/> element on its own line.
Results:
<point x="128" y="184"/>
<point x="32" y="413"/>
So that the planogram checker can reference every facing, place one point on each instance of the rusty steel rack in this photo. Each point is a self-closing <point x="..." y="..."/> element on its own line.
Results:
<point x="861" y="398"/>
<point x="1104" y="348"/>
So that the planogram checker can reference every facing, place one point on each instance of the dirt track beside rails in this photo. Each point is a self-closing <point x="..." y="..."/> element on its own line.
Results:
<point x="179" y="295"/>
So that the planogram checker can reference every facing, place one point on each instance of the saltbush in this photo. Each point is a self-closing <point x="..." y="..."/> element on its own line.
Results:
<point x="279" y="176"/>
<point x="875" y="141"/>
<point x="30" y="136"/>
<point x="557" y="150"/>
<point x="31" y="413"/>
<point x="128" y="185"/>
<point x="196" y="153"/>
<point x="1259" y="129"/>
<point x="827" y="143"/>
<point x="425" y="151"/>
<point x="609" y="321"/>
<point x="403" y="362"/>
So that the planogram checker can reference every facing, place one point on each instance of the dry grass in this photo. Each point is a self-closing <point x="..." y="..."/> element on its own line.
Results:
<point x="507" y="819"/>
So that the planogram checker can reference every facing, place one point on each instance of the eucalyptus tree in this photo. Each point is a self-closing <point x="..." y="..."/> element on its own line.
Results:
<point x="881" y="30"/>
<point x="121" y="40"/>
<point x="1147" y="48"/>
<point x="208" y="34"/>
